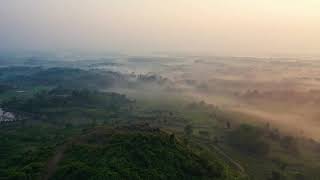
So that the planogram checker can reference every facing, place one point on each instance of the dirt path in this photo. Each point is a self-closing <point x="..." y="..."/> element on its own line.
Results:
<point x="228" y="158"/>
<point x="53" y="162"/>
<point x="225" y="156"/>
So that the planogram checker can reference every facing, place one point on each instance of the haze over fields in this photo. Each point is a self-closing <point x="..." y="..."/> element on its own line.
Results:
<point x="160" y="89"/>
<point x="284" y="90"/>
<point x="281" y="91"/>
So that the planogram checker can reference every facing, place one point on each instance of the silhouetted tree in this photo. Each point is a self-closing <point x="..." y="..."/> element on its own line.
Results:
<point x="188" y="130"/>
<point x="228" y="124"/>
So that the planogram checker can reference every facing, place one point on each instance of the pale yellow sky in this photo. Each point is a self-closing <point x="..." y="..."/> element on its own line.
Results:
<point x="235" y="27"/>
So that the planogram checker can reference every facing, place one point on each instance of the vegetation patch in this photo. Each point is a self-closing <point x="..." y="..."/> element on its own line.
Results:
<point x="122" y="154"/>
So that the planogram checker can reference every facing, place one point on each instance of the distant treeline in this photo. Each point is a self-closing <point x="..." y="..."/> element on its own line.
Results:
<point x="24" y="77"/>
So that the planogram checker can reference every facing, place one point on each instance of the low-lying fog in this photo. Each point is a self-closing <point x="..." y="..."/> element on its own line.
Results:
<point x="284" y="92"/>
<point x="281" y="91"/>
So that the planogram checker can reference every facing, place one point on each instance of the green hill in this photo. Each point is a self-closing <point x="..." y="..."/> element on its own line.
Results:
<point x="133" y="153"/>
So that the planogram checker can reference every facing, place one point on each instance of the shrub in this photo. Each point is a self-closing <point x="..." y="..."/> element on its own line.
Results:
<point x="248" y="139"/>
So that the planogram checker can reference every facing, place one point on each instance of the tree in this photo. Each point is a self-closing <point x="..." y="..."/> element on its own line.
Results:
<point x="299" y="176"/>
<point x="228" y="124"/>
<point x="188" y="130"/>
<point x="248" y="139"/>
<point x="275" y="175"/>
<point x="204" y="133"/>
<point x="93" y="123"/>
<point x="274" y="134"/>
<point x="289" y="143"/>
<point x="172" y="138"/>
<point x="281" y="163"/>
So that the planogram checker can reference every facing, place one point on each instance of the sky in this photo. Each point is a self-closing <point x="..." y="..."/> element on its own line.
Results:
<point x="226" y="27"/>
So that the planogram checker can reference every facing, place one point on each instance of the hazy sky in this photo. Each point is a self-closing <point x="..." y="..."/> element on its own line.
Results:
<point x="234" y="27"/>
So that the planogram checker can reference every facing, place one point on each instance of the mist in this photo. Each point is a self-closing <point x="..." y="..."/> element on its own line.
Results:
<point x="244" y="27"/>
<point x="150" y="89"/>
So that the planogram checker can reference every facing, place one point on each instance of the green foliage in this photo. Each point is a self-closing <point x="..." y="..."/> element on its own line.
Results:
<point x="71" y="105"/>
<point x="76" y="171"/>
<point x="276" y="175"/>
<point x="138" y="155"/>
<point x="25" y="149"/>
<point x="63" y="103"/>
<point x="188" y="130"/>
<point x="289" y="143"/>
<point x="248" y="139"/>
<point x="22" y="77"/>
